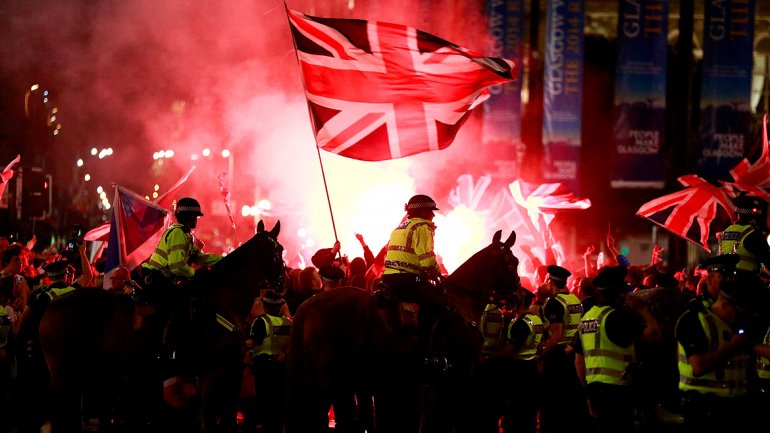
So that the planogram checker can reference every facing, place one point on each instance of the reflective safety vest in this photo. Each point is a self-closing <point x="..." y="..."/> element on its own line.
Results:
<point x="277" y="339"/>
<point x="58" y="292"/>
<point x="410" y="248"/>
<point x="531" y="347"/>
<point x="492" y="326"/>
<point x="5" y="327"/>
<point x="173" y="252"/>
<point x="763" y="363"/>
<point x="573" y="311"/>
<point x="731" y="241"/>
<point x="606" y="362"/>
<point x="728" y="380"/>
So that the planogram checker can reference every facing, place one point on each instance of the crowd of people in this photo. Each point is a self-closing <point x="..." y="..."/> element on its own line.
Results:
<point x="612" y="346"/>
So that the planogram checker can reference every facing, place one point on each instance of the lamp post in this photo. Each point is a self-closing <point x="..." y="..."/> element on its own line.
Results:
<point x="26" y="98"/>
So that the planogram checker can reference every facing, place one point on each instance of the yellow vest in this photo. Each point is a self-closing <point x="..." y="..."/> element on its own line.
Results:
<point x="410" y="248"/>
<point x="573" y="310"/>
<point x="492" y="329"/>
<point x="59" y="292"/>
<point x="731" y="241"/>
<point x="277" y="339"/>
<point x="5" y="327"/>
<point x="531" y="348"/>
<point x="606" y="362"/>
<point x="727" y="381"/>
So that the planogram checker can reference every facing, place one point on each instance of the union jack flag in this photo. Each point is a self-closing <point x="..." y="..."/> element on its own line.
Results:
<point x="692" y="213"/>
<point x="754" y="178"/>
<point x="379" y="91"/>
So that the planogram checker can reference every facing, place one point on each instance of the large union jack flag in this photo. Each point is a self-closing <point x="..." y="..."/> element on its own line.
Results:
<point x="692" y="213"/>
<point x="754" y="178"/>
<point x="380" y="91"/>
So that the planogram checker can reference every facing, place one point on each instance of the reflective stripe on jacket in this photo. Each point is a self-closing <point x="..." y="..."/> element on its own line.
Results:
<point x="171" y="256"/>
<point x="536" y="329"/>
<point x="729" y="380"/>
<point x="606" y="362"/>
<point x="277" y="339"/>
<point x="410" y="248"/>
<point x="58" y="292"/>
<point x="492" y="329"/>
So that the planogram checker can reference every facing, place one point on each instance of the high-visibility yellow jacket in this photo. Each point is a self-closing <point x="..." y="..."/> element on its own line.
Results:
<point x="531" y="348"/>
<point x="410" y="249"/>
<point x="277" y="331"/>
<point x="492" y="326"/>
<point x="763" y="363"/>
<point x="606" y="362"/>
<point x="732" y="241"/>
<point x="573" y="311"/>
<point x="728" y="380"/>
<point x="176" y="251"/>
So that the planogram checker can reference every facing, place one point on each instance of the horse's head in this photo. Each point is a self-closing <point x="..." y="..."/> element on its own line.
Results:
<point x="260" y="258"/>
<point x="493" y="270"/>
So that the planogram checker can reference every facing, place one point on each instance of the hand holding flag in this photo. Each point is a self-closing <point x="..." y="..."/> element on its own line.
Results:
<point x="7" y="174"/>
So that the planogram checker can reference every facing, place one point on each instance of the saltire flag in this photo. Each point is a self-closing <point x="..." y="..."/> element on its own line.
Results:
<point x="379" y="91"/>
<point x="7" y="174"/>
<point x="542" y="203"/>
<point x="754" y="178"/>
<point x="137" y="225"/>
<point x="692" y="213"/>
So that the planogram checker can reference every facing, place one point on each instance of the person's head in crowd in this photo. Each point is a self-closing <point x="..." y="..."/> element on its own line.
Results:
<point x="721" y="271"/>
<point x="14" y="260"/>
<point x="58" y="270"/>
<point x="557" y="277"/>
<point x="357" y="266"/>
<point x="750" y="210"/>
<point x="587" y="288"/>
<point x="543" y="292"/>
<point x="272" y="302"/>
<point x="332" y="277"/>
<point x="119" y="277"/>
<point x="665" y="280"/>
<point x="635" y="276"/>
<point x="611" y="285"/>
<point x="309" y="278"/>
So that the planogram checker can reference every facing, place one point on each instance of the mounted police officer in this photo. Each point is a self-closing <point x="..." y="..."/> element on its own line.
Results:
<point x="411" y="269"/>
<point x="169" y="267"/>
<point x="746" y="237"/>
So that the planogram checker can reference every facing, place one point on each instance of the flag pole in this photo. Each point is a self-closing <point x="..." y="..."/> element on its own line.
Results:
<point x="312" y="122"/>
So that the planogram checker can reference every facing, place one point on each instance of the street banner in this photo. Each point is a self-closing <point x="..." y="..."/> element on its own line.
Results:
<point x="562" y="92"/>
<point x="728" y="46"/>
<point x="640" y="94"/>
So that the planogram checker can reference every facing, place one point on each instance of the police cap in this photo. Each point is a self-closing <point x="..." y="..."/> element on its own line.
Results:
<point x="188" y="205"/>
<point x="332" y="273"/>
<point x="557" y="273"/>
<point x="272" y="297"/>
<point x="724" y="263"/>
<point x="420" y="201"/>
<point x="611" y="277"/>
<point x="56" y="268"/>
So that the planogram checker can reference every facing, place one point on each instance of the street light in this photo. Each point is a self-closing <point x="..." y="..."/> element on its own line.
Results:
<point x="26" y="98"/>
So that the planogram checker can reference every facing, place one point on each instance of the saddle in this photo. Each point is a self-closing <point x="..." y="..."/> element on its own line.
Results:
<point x="408" y="313"/>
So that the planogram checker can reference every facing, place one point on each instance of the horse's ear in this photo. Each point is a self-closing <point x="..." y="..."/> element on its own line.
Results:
<point x="497" y="236"/>
<point x="260" y="226"/>
<point x="511" y="239"/>
<point x="276" y="229"/>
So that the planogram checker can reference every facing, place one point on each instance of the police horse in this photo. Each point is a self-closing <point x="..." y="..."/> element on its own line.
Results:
<point x="352" y="350"/>
<point x="91" y="338"/>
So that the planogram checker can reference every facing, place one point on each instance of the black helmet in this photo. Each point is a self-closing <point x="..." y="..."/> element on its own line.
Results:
<point x="750" y="207"/>
<point x="188" y="206"/>
<point x="420" y="202"/>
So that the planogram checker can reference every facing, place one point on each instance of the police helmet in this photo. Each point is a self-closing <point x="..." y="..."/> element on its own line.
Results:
<point x="188" y="206"/>
<point x="419" y="202"/>
<point x="750" y="207"/>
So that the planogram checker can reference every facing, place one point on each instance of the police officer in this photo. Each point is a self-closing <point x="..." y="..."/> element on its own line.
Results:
<point x="713" y="355"/>
<point x="170" y="266"/>
<point x="32" y="371"/>
<point x="721" y="270"/>
<point x="271" y="334"/>
<point x="746" y="236"/>
<point x="178" y="249"/>
<point x="606" y="350"/>
<point x="410" y="263"/>
<point x="565" y="408"/>
<point x="525" y="335"/>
